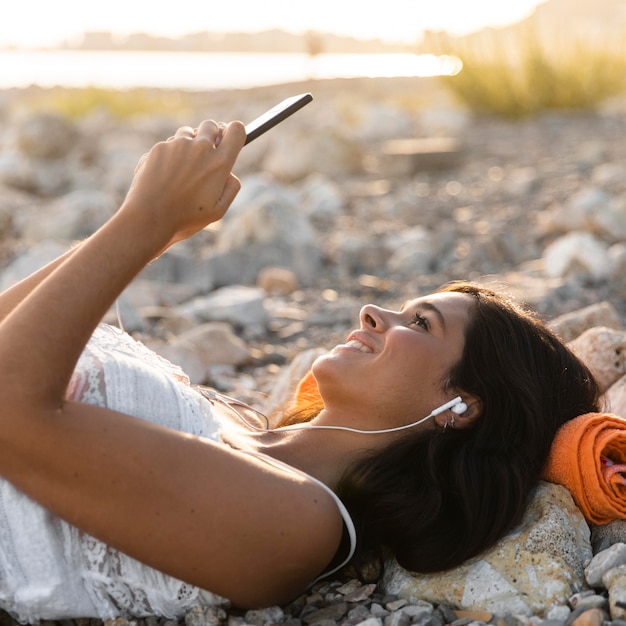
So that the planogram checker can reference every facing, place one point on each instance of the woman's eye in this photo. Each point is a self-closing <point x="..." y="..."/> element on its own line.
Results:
<point x="420" y="320"/>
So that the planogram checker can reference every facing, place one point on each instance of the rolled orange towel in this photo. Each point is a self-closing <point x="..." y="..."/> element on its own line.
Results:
<point x="307" y="392"/>
<point x="588" y="457"/>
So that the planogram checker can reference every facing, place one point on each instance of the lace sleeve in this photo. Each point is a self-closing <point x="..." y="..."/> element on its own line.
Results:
<point x="117" y="372"/>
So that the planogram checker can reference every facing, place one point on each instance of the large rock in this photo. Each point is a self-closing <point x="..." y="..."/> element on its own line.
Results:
<point x="578" y="254"/>
<point x="537" y="567"/>
<point x="571" y="325"/>
<point x="46" y="135"/>
<point x="603" y="350"/>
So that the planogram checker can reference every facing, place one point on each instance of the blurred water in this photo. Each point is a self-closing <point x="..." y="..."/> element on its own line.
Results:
<point x="203" y="71"/>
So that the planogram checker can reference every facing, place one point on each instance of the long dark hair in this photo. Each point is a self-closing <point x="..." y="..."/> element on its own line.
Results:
<point x="436" y="498"/>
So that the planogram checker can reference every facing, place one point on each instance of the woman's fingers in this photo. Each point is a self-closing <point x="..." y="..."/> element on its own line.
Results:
<point x="185" y="132"/>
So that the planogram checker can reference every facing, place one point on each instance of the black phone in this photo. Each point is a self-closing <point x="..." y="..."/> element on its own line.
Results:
<point x="275" y="115"/>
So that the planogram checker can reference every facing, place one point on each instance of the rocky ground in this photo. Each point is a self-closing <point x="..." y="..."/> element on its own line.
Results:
<point x="335" y="216"/>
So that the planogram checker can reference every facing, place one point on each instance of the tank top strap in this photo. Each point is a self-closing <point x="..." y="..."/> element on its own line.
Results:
<point x="347" y="520"/>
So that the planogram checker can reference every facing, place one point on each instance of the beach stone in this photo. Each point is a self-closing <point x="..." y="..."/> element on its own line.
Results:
<point x="571" y="325"/>
<point x="578" y="211"/>
<point x="17" y="172"/>
<point x="580" y="254"/>
<point x="269" y="615"/>
<point x="12" y="201"/>
<point x="609" y="175"/>
<point x="615" y="398"/>
<point x="590" y="600"/>
<point x="605" y="535"/>
<point x="332" y="153"/>
<point x="559" y="613"/>
<point x="333" y="612"/>
<point x="591" y="617"/>
<point x="239" y="305"/>
<point x="614" y="580"/>
<point x="378" y="121"/>
<point x="277" y="280"/>
<point x="617" y="279"/>
<point x="603" y="562"/>
<point x="412" y="251"/>
<point x="73" y="216"/>
<point x="269" y="231"/>
<point x="358" y="252"/>
<point x="534" y="568"/>
<point x="322" y="199"/>
<point x="46" y="135"/>
<point x="205" y="616"/>
<point x="30" y="261"/>
<point x="406" y="157"/>
<point x="603" y="350"/>
<point x="201" y="347"/>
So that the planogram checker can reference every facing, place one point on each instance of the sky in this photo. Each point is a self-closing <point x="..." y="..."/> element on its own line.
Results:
<point x="33" y="23"/>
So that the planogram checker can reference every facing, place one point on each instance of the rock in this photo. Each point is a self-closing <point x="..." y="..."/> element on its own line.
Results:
<point x="605" y="535"/>
<point x="614" y="580"/>
<point x="17" y="172"/>
<point x="412" y="251"/>
<point x="603" y="350"/>
<point x="277" y="280"/>
<point x="331" y="153"/>
<point x="609" y="175"/>
<point x="603" y="562"/>
<point x="28" y="262"/>
<point x="357" y="253"/>
<point x="46" y="135"/>
<point x="73" y="216"/>
<point x="269" y="231"/>
<point x="592" y="617"/>
<point x="407" y="157"/>
<point x="580" y="254"/>
<point x="201" y="347"/>
<point x="333" y="612"/>
<point x="205" y="616"/>
<point x="378" y="121"/>
<point x="260" y="617"/>
<point x="322" y="200"/>
<point x="571" y="325"/>
<point x="239" y="305"/>
<point x="536" y="567"/>
<point x="615" y="398"/>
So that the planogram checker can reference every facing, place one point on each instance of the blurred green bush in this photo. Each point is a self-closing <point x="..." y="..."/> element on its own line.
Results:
<point x="516" y="76"/>
<point x="78" y="103"/>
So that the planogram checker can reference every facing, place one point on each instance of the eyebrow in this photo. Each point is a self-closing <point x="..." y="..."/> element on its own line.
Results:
<point x="429" y="306"/>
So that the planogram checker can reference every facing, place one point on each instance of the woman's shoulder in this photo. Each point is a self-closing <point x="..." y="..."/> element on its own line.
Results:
<point x="310" y="523"/>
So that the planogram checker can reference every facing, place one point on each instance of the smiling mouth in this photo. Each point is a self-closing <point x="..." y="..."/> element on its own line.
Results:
<point x="354" y="343"/>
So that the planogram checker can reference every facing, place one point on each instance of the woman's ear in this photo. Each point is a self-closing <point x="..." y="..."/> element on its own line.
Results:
<point x="473" y="410"/>
<point x="453" y="419"/>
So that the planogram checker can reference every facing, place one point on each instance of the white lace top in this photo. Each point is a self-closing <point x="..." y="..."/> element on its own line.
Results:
<point x="50" y="569"/>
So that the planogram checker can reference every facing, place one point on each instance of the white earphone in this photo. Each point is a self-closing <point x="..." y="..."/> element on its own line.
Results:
<point x="456" y="405"/>
<point x="459" y="408"/>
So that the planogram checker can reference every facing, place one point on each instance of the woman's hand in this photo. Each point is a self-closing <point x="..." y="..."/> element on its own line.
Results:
<point x="185" y="183"/>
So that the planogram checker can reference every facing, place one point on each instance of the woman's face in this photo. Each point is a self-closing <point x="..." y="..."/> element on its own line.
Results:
<point x="392" y="370"/>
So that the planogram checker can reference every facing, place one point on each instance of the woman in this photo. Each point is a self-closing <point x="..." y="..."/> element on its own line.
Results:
<point x="432" y="423"/>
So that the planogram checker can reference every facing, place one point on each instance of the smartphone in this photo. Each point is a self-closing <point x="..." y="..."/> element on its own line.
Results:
<point x="275" y="115"/>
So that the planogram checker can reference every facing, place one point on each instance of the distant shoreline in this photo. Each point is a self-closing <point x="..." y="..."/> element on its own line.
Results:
<point x="204" y="70"/>
<point x="268" y="41"/>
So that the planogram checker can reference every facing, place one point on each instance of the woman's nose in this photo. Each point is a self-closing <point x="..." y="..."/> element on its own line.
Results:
<point x="373" y="317"/>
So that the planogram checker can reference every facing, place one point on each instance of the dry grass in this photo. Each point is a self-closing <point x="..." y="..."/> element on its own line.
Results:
<point x="520" y="76"/>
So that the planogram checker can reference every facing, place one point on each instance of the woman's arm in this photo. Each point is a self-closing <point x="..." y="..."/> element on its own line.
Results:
<point x="12" y="296"/>
<point x="196" y="510"/>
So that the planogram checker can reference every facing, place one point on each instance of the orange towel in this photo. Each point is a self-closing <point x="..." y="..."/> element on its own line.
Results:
<point x="588" y="457"/>
<point x="307" y="392"/>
